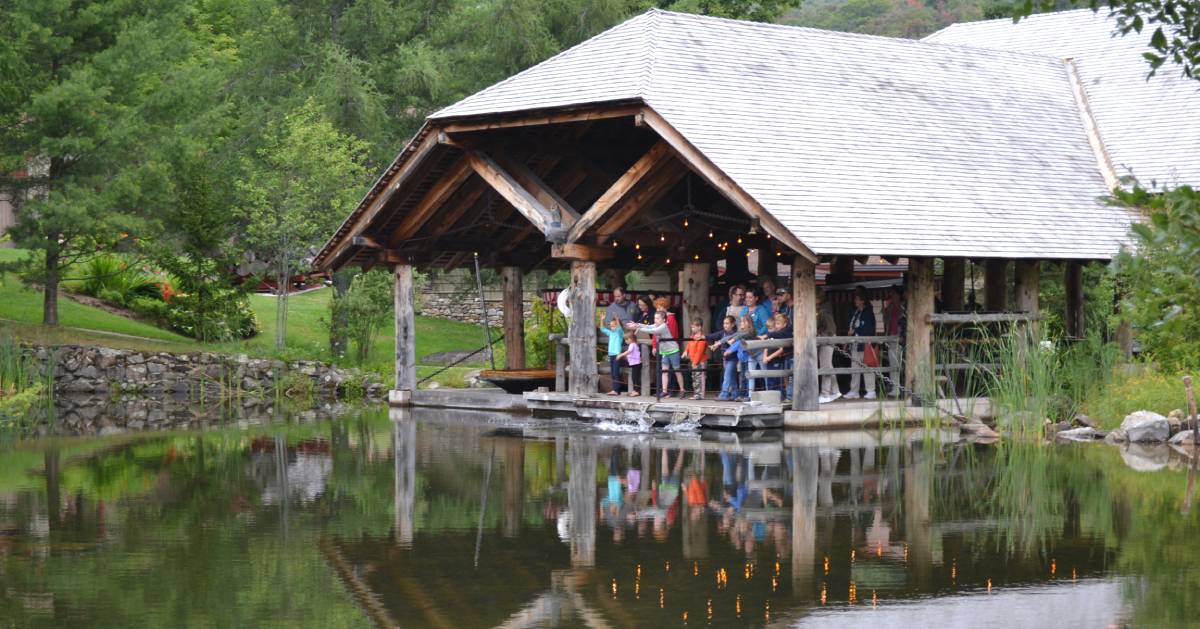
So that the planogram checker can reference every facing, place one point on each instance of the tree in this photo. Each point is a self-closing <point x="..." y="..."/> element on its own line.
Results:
<point x="298" y="187"/>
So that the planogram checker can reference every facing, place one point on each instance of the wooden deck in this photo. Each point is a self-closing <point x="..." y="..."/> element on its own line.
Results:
<point x="842" y="414"/>
<point x="709" y="413"/>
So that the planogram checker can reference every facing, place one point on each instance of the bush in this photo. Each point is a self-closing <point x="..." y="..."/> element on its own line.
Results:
<point x="1147" y="390"/>
<point x="222" y="316"/>
<point x="544" y="321"/>
<point x="109" y="278"/>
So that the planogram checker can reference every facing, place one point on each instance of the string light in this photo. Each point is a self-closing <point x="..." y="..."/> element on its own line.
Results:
<point x="637" y="246"/>
<point x="739" y="240"/>
<point x="639" y="256"/>
<point x="696" y="257"/>
<point x="685" y="223"/>
<point x="668" y="260"/>
<point x="662" y="237"/>
<point x="661" y="598"/>
<point x="737" y="606"/>
<point x="710" y="234"/>
<point x="614" y="244"/>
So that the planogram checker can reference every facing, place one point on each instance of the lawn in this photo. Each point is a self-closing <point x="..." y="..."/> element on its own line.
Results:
<point x="307" y="336"/>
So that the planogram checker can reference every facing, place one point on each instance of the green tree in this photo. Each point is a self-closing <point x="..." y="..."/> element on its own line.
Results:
<point x="298" y="187"/>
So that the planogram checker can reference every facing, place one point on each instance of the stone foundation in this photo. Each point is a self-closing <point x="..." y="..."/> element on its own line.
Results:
<point x="80" y="369"/>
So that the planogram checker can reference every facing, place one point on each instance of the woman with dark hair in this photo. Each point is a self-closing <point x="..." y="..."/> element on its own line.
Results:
<point x="862" y="323"/>
<point x="645" y="313"/>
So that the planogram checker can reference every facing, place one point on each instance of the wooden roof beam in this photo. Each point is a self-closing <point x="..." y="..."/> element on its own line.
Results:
<point x="716" y="178"/>
<point x="613" y="197"/>
<point x="521" y="199"/>
<point x="578" y="115"/>
<point x="437" y="196"/>
<point x="534" y="183"/>
<point x="662" y="178"/>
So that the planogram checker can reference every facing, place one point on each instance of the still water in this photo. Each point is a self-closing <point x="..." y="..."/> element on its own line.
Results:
<point x="446" y="519"/>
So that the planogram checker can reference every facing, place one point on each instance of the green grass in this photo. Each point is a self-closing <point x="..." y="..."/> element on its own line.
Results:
<point x="307" y="336"/>
<point x="1142" y="390"/>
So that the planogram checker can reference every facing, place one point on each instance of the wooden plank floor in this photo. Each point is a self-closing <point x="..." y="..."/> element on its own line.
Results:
<point x="709" y="413"/>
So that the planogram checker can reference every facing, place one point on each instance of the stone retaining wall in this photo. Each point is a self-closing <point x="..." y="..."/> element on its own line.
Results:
<point x="460" y="306"/>
<point x="86" y="369"/>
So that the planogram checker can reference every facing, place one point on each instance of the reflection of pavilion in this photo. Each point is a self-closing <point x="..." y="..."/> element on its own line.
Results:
<point x="858" y="519"/>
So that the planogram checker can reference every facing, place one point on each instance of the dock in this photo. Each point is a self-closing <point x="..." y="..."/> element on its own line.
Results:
<point x="708" y="413"/>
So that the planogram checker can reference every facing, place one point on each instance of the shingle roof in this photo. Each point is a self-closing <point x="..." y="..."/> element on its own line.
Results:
<point x="857" y="144"/>
<point x="1150" y="127"/>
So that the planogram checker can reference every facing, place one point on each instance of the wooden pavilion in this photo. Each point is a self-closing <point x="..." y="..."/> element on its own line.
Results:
<point x="676" y="142"/>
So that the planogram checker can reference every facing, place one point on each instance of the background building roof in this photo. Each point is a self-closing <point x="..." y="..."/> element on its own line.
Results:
<point x="1151" y="128"/>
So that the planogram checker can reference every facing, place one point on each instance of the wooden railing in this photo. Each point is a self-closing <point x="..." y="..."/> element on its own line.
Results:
<point x="893" y="369"/>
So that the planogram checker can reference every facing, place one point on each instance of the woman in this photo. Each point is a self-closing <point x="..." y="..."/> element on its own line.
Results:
<point x="645" y="313"/>
<point x="737" y="293"/>
<point x="826" y="326"/>
<point x="862" y="323"/>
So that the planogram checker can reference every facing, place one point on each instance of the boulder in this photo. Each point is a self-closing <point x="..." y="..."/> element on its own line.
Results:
<point x="1116" y="436"/>
<point x="1146" y="427"/>
<point x="979" y="429"/>
<point x="1183" y="438"/>
<point x="1085" y="433"/>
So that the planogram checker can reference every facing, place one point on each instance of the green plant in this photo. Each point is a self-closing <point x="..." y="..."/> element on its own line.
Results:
<point x="364" y="309"/>
<point x="227" y="317"/>
<point x="543" y="321"/>
<point x="112" y="279"/>
<point x="1135" y="390"/>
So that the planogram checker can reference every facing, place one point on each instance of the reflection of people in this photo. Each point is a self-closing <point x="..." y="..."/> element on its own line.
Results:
<point x="666" y="495"/>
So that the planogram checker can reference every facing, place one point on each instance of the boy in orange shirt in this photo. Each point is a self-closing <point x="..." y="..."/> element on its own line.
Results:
<point x="697" y="354"/>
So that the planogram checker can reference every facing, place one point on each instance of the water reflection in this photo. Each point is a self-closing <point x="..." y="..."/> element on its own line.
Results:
<point x="444" y="519"/>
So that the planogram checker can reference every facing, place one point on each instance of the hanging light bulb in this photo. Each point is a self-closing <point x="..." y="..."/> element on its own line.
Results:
<point x="614" y="244"/>
<point x="685" y="223"/>
<point x="696" y="257"/>
<point x="639" y="256"/>
<point x="637" y="246"/>
<point x="710" y="234"/>
<point x="739" y="240"/>
<point x="778" y="254"/>
<point x="662" y="237"/>
<point x="668" y="260"/>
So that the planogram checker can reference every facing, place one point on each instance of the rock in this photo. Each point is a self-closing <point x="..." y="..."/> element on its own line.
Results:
<point x="1086" y="433"/>
<point x="1084" y="420"/>
<point x="1182" y="438"/>
<point x="135" y="359"/>
<point x="434" y="385"/>
<point x="1116" y="436"/>
<point x="1146" y="457"/>
<point x="111" y="430"/>
<point x="1176" y="414"/>
<point x="156" y="368"/>
<point x="1063" y="425"/>
<point x="1146" y="427"/>
<point x="979" y="429"/>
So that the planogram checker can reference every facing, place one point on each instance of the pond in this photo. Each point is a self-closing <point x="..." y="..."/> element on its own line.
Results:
<point x="452" y="519"/>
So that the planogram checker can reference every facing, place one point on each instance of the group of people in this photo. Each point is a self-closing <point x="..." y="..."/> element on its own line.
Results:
<point x="747" y="315"/>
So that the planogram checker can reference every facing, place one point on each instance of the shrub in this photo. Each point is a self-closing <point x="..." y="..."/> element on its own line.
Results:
<point x="111" y="279"/>
<point x="224" y="316"/>
<point x="544" y="321"/>
<point x="1146" y="389"/>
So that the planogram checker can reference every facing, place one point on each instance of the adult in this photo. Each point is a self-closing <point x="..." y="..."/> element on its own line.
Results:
<point x="826" y="326"/>
<point x="621" y="308"/>
<point x="862" y="323"/>
<point x="758" y="312"/>
<point x="894" y="322"/>
<point x="783" y="305"/>
<point x="737" y="297"/>
<point x="766" y="283"/>
<point x="645" y="311"/>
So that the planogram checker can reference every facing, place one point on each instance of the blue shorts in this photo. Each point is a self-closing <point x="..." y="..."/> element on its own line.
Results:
<point x="670" y="361"/>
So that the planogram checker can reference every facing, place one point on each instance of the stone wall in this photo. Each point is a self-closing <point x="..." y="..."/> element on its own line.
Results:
<point x="79" y="369"/>
<point x="464" y="306"/>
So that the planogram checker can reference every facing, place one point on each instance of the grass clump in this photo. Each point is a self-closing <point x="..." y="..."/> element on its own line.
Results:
<point x="1135" y="390"/>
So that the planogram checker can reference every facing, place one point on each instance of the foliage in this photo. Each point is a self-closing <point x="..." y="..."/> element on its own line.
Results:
<point x="113" y="279"/>
<point x="1042" y="380"/>
<point x="544" y="321"/>
<point x="1141" y="389"/>
<point x="223" y="315"/>
<point x="1163" y="299"/>
<point x="295" y="193"/>
<point x="366" y="308"/>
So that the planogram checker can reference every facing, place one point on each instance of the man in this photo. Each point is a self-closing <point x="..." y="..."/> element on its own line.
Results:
<point x="766" y="283"/>
<point x="622" y="308"/>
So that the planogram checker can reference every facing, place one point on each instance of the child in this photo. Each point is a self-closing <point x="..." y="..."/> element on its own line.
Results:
<point x="745" y="332"/>
<point x="668" y="348"/>
<point x="729" y="358"/>
<point x="697" y="354"/>
<point x="633" y="356"/>
<point x="615" y="337"/>
<point x="780" y="357"/>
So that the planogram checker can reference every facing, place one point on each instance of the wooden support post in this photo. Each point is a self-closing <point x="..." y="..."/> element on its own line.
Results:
<point x="995" y="286"/>
<point x="1073" y="288"/>
<point x="953" y="284"/>
<point x="1026" y="286"/>
<point x="581" y="330"/>
<point x="406" y="337"/>
<point x="560" y="364"/>
<point x="804" y="336"/>
<point x="647" y="369"/>
<point x="695" y="285"/>
<point x="514" y="318"/>
<point x="918" y="354"/>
